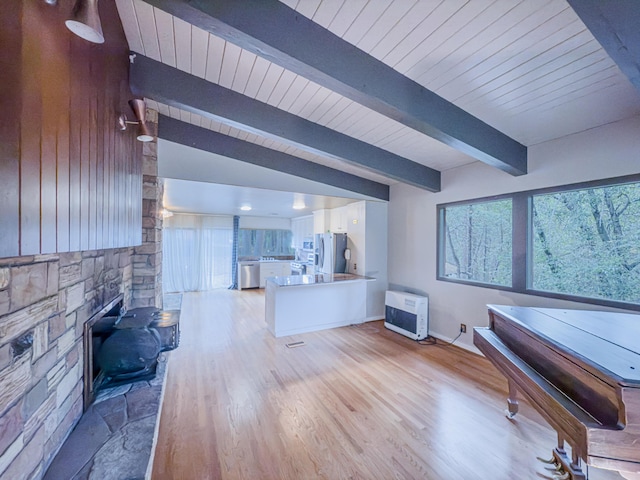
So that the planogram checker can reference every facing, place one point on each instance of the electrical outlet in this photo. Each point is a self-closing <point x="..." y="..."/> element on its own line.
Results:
<point x="355" y="267"/>
<point x="463" y="328"/>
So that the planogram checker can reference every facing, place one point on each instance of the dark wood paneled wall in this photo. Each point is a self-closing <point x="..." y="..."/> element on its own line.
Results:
<point x="69" y="178"/>
<point x="9" y="127"/>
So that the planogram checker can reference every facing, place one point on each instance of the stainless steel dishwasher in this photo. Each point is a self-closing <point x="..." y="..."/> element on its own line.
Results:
<point x="249" y="274"/>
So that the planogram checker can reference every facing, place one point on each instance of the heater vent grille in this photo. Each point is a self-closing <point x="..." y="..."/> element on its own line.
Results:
<point x="407" y="314"/>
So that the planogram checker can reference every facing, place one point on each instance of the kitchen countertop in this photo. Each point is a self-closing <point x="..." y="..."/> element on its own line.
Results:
<point x="317" y="279"/>
<point x="305" y="303"/>
<point x="265" y="261"/>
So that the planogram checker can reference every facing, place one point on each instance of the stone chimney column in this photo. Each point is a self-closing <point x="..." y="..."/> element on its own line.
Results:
<point x="147" y="258"/>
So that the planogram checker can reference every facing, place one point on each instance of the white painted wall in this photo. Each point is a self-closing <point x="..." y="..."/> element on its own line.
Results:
<point x="367" y="240"/>
<point x="376" y="258"/>
<point x="609" y="151"/>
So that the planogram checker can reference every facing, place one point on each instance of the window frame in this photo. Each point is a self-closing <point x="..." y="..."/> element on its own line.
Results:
<point x="441" y="255"/>
<point x="522" y="241"/>
<point x="260" y="234"/>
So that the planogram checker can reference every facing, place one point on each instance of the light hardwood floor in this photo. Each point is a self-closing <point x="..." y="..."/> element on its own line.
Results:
<point x="357" y="402"/>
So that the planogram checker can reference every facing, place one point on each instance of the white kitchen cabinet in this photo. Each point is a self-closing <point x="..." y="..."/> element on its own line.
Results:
<point x="308" y="227"/>
<point x="339" y="219"/>
<point x="302" y="229"/>
<point x="296" y="231"/>
<point x="321" y="221"/>
<point x="273" y="269"/>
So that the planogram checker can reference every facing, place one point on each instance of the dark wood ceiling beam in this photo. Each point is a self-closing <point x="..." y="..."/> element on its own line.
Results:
<point x="278" y="33"/>
<point x="616" y="26"/>
<point x="176" y="88"/>
<point x="203" y="139"/>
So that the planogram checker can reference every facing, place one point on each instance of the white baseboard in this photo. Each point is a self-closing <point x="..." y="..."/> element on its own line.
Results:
<point x="469" y="348"/>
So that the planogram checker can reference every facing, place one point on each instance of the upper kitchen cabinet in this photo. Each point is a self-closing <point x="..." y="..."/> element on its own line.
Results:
<point x="302" y="228"/>
<point x="321" y="221"/>
<point x="331" y="220"/>
<point x="339" y="219"/>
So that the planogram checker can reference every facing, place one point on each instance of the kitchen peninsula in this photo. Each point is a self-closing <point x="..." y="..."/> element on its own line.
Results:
<point x="306" y="303"/>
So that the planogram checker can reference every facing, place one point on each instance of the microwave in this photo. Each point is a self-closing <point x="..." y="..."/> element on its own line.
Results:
<point x="307" y="245"/>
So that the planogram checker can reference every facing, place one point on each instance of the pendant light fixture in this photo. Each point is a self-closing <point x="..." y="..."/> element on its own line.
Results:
<point x="85" y="21"/>
<point x="138" y="107"/>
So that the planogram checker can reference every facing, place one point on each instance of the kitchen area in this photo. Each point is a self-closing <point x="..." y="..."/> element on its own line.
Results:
<point x="337" y="274"/>
<point x="254" y="273"/>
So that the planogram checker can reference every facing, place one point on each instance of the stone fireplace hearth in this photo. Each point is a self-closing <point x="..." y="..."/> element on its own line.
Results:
<point x="114" y="438"/>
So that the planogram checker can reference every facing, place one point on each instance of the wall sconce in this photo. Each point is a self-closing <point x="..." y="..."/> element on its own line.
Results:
<point x="166" y="213"/>
<point x="85" y="21"/>
<point x="137" y="105"/>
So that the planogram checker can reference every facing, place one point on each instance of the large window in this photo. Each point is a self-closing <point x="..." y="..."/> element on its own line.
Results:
<point x="587" y="242"/>
<point x="477" y="246"/>
<point x="579" y="242"/>
<point x="264" y="243"/>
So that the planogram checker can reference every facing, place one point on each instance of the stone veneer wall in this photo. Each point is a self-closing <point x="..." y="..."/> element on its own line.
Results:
<point x="147" y="259"/>
<point x="44" y="302"/>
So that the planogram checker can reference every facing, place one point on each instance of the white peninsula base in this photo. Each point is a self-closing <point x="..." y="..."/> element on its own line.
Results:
<point x="306" y="303"/>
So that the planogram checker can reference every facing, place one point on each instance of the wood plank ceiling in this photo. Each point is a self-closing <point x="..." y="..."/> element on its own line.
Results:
<point x="530" y="69"/>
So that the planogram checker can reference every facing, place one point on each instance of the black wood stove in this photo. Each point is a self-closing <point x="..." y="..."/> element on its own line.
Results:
<point x="125" y="345"/>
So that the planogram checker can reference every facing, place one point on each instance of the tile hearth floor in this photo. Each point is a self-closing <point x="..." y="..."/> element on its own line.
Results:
<point x="114" y="437"/>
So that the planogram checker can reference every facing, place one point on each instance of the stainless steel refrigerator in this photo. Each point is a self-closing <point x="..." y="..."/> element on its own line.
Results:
<point x="330" y="248"/>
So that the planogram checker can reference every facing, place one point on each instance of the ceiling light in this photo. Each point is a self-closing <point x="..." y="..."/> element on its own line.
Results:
<point x="245" y="208"/>
<point x="298" y="201"/>
<point x="85" y="21"/>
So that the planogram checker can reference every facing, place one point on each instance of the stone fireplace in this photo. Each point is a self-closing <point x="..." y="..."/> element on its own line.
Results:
<point x="45" y="301"/>
<point x="80" y="222"/>
<point x="90" y="368"/>
<point x="123" y="346"/>
<point x="45" y="304"/>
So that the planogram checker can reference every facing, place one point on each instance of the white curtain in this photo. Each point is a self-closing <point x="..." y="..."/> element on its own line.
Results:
<point x="196" y="252"/>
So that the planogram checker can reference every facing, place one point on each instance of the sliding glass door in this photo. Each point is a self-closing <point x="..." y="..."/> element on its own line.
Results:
<point x="197" y="252"/>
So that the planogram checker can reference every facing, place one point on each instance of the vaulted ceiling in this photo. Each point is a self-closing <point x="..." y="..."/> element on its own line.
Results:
<point x="361" y="94"/>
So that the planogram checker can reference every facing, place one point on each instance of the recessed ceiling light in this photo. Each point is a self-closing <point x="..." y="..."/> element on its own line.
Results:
<point x="245" y="208"/>
<point x="298" y="201"/>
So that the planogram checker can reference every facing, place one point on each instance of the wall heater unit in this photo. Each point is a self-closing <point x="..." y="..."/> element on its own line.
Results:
<point x="407" y="314"/>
